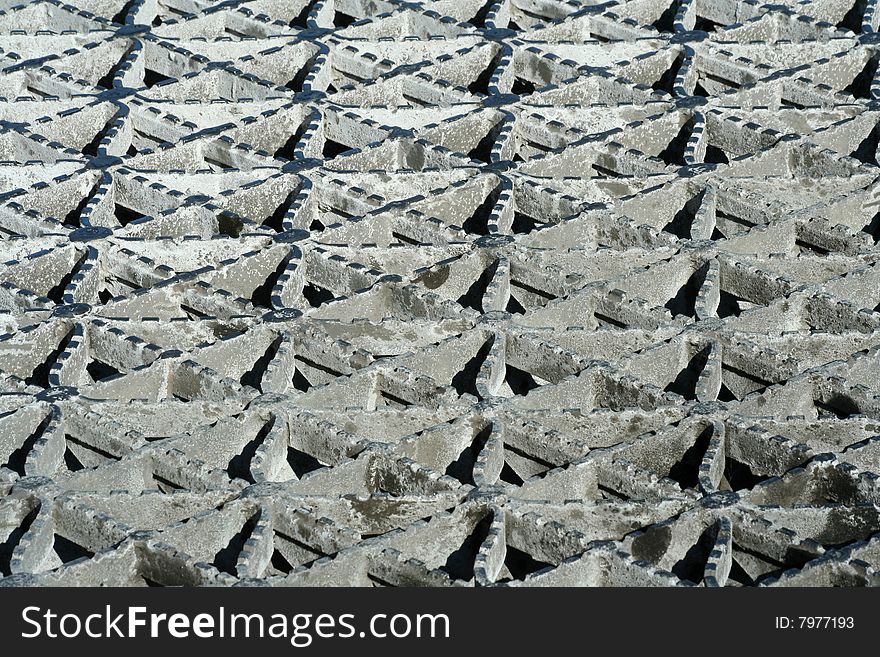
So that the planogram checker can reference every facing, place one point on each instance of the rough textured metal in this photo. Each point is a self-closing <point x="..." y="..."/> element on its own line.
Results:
<point x="368" y="292"/>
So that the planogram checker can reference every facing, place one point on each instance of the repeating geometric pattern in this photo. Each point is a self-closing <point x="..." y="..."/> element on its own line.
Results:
<point x="452" y="292"/>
